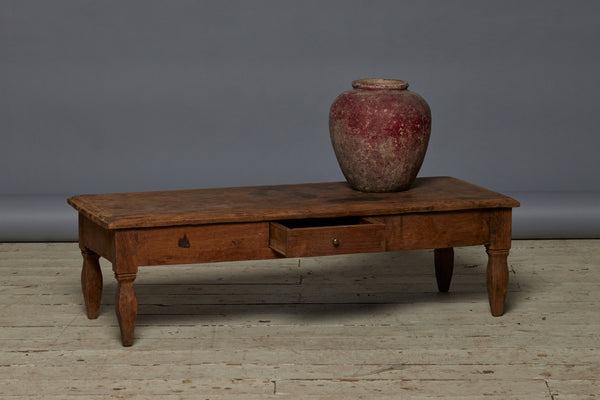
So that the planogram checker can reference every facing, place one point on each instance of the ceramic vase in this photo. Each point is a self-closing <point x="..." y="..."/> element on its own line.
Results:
<point x="379" y="132"/>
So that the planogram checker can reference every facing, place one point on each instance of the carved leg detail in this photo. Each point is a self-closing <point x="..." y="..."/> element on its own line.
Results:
<point x="444" y="265"/>
<point x="126" y="307"/>
<point x="91" y="282"/>
<point x="497" y="279"/>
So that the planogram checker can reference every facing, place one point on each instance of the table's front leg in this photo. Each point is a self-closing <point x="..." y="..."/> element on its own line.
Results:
<point x="126" y="306"/>
<point x="497" y="250"/>
<point x="91" y="282"/>
<point x="125" y="268"/>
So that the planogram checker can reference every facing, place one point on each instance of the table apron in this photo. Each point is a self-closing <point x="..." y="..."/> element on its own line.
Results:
<point x="438" y="229"/>
<point x="250" y="241"/>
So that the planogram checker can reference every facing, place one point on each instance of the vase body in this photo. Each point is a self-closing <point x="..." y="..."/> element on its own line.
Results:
<point x="379" y="132"/>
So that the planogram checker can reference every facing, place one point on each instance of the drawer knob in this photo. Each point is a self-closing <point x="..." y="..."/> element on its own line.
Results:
<point x="335" y="241"/>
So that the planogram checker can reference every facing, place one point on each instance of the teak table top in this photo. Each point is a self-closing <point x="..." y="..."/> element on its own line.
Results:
<point x="268" y="203"/>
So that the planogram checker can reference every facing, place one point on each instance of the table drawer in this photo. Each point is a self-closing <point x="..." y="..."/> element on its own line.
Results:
<point x="327" y="236"/>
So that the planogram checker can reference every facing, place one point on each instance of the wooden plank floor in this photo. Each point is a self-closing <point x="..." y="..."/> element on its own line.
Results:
<point x="346" y="327"/>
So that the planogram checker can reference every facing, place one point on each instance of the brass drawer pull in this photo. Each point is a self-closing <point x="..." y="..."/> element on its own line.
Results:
<point x="335" y="241"/>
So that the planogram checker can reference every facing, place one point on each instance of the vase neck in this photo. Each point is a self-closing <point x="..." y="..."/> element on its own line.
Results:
<point x="380" y="84"/>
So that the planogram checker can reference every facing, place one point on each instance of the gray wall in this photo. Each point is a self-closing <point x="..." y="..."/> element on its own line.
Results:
<point x="108" y="96"/>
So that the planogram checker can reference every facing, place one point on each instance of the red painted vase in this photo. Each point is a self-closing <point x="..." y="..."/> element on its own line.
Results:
<point x="380" y="131"/>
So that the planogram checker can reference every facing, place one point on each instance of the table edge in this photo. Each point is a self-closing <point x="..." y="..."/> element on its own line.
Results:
<point x="95" y="214"/>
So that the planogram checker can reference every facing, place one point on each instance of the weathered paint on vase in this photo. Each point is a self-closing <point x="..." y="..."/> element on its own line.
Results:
<point x="380" y="131"/>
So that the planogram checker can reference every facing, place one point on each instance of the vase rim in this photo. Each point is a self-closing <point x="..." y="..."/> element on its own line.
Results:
<point x="389" y="84"/>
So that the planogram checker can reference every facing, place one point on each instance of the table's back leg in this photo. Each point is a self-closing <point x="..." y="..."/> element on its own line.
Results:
<point x="444" y="266"/>
<point x="91" y="282"/>
<point x="497" y="280"/>
<point x="497" y="250"/>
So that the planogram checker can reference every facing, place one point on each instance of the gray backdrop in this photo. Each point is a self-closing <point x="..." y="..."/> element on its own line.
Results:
<point x="109" y="96"/>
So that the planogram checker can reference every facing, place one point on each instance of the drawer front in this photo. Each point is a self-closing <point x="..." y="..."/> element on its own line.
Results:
<point x="306" y="238"/>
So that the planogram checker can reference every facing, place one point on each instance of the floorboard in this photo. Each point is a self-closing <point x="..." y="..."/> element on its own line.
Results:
<point x="348" y="327"/>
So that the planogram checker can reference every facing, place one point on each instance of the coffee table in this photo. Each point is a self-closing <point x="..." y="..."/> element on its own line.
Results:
<point x="302" y="220"/>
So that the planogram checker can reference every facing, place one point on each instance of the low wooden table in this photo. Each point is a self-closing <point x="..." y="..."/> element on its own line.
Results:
<point x="266" y="222"/>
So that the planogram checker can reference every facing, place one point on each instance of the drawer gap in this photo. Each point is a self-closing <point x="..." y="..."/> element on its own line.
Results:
<point x="322" y="222"/>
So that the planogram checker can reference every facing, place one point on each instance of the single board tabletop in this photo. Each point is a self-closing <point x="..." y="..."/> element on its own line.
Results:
<point x="278" y="202"/>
